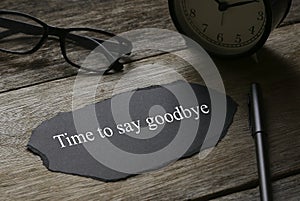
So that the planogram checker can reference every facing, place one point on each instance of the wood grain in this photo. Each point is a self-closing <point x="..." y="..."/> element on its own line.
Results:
<point x="230" y="164"/>
<point x="284" y="189"/>
<point x="229" y="168"/>
<point x="47" y="64"/>
<point x="293" y="15"/>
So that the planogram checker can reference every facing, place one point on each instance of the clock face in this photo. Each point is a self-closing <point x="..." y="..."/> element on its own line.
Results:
<point x="223" y="27"/>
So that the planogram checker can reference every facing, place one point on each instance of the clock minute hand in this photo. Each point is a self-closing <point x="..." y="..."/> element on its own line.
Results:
<point x="241" y="3"/>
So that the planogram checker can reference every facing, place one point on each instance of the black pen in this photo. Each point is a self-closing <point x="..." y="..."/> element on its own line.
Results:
<point x="259" y="135"/>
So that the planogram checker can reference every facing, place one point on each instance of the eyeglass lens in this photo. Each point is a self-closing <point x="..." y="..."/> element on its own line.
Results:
<point x="91" y="49"/>
<point x="15" y="36"/>
<point x="82" y="47"/>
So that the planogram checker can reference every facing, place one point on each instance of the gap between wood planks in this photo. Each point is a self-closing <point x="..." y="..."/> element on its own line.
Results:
<point x="159" y="7"/>
<point x="247" y="186"/>
<point x="153" y="55"/>
<point x="75" y="74"/>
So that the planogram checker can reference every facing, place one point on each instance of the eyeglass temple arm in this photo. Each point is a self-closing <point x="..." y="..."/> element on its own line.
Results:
<point x="92" y="43"/>
<point x="17" y="27"/>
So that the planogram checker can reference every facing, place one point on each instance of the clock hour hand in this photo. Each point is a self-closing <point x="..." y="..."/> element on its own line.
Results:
<point x="241" y="3"/>
<point x="223" y="6"/>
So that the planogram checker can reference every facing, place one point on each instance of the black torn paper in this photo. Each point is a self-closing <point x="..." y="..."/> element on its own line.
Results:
<point x="77" y="160"/>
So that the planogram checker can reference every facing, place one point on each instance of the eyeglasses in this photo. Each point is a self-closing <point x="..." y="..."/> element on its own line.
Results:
<point x="23" y="34"/>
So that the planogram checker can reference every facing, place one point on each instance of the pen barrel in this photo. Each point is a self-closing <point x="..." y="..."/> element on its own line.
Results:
<point x="256" y="113"/>
<point x="263" y="167"/>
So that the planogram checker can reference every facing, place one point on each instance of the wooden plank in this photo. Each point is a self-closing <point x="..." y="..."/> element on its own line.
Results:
<point x="294" y="14"/>
<point x="284" y="189"/>
<point x="232" y="163"/>
<point x="120" y="16"/>
<point x="117" y="16"/>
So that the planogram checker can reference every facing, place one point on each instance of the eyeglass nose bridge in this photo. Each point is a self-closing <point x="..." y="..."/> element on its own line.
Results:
<point x="61" y="33"/>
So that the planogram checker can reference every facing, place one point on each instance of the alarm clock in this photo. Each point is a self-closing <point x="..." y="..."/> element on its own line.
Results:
<point x="228" y="28"/>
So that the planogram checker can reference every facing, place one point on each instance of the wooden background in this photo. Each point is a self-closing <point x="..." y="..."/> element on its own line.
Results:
<point x="36" y="87"/>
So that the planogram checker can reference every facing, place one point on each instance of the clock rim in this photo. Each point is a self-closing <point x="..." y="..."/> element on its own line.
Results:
<point x="251" y="51"/>
<point x="286" y="12"/>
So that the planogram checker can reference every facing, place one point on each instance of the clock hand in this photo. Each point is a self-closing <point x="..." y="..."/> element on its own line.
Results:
<point x="222" y="19"/>
<point x="223" y="6"/>
<point x="241" y="3"/>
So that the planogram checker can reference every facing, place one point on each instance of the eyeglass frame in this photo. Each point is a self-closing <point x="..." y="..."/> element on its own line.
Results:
<point x="48" y="30"/>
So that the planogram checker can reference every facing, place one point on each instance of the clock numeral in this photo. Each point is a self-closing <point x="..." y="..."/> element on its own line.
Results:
<point x="261" y="15"/>
<point x="192" y="12"/>
<point x="204" y="27"/>
<point x="252" y="30"/>
<point x="238" y="38"/>
<point x="220" y="37"/>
